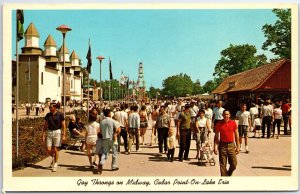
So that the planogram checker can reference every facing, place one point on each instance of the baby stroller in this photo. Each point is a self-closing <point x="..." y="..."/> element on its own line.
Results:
<point x="207" y="154"/>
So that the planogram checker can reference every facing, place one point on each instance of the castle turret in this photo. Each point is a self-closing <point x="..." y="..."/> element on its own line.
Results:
<point x="74" y="59"/>
<point x="32" y="41"/>
<point x="50" y="49"/>
<point x="60" y="54"/>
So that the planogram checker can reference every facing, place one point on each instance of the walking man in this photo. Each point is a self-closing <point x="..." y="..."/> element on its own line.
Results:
<point x="184" y="132"/>
<point x="218" y="113"/>
<point x="244" y="118"/>
<point x="228" y="146"/>
<point x="163" y="124"/>
<point x="122" y="117"/>
<point x="133" y="130"/>
<point x="108" y="128"/>
<point x="54" y="133"/>
<point x="267" y="117"/>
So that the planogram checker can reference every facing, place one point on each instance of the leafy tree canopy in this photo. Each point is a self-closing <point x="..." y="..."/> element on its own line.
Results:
<point x="279" y="34"/>
<point x="237" y="58"/>
<point x="178" y="85"/>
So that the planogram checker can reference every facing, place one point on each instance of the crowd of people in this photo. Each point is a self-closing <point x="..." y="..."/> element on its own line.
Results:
<point x="175" y="122"/>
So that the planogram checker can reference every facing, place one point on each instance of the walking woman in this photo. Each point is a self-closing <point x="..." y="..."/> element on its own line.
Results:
<point x="92" y="129"/>
<point x="143" y="123"/>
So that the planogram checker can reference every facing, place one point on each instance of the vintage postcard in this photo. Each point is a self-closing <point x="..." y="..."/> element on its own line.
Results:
<point x="172" y="69"/>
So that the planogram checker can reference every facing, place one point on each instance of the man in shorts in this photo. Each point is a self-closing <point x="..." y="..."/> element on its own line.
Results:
<point x="244" y="118"/>
<point x="54" y="133"/>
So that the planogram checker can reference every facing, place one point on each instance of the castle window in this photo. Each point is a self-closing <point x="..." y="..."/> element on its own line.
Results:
<point x="42" y="78"/>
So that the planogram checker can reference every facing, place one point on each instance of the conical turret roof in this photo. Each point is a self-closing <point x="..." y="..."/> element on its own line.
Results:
<point x="61" y="49"/>
<point x="74" y="55"/>
<point x="32" y="31"/>
<point x="50" y="41"/>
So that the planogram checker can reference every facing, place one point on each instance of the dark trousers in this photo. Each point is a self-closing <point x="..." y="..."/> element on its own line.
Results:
<point x="185" y="143"/>
<point x="227" y="152"/>
<point x="266" y="121"/>
<point x="285" y="122"/>
<point x="37" y="111"/>
<point x="277" y="122"/>
<point x="123" y="134"/>
<point x="170" y="154"/>
<point x="133" y="133"/>
<point x="162" y="139"/>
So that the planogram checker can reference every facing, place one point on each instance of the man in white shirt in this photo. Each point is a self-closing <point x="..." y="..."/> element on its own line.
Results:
<point x="122" y="117"/>
<point x="244" y="124"/>
<point x="193" y="112"/>
<point x="133" y="130"/>
<point x="218" y="113"/>
<point x="267" y="117"/>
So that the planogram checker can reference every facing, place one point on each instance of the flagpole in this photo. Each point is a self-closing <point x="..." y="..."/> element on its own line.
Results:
<point x="88" y="100"/>
<point x="29" y="81"/>
<point x="17" y="88"/>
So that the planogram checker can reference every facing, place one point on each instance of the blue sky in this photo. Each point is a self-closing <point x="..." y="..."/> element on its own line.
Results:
<point x="167" y="42"/>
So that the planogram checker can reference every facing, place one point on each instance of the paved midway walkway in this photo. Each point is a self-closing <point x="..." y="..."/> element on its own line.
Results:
<point x="267" y="157"/>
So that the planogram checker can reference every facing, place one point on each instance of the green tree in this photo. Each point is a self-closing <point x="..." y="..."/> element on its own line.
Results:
<point x="279" y="34"/>
<point x="178" y="85"/>
<point x="237" y="58"/>
<point x="153" y="92"/>
<point x="209" y="86"/>
<point x="197" y="89"/>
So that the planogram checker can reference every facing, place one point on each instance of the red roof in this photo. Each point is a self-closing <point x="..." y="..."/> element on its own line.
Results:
<point x="249" y="80"/>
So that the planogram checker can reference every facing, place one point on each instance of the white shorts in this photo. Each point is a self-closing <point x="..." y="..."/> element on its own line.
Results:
<point x="54" y="138"/>
<point x="91" y="140"/>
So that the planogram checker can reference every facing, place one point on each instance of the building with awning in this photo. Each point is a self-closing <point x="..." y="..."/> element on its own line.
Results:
<point x="272" y="80"/>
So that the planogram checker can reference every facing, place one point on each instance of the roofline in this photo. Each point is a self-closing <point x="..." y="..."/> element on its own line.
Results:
<point x="283" y="61"/>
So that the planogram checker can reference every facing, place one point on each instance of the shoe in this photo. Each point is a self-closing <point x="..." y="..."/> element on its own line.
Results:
<point x="186" y="159"/>
<point x="139" y="150"/>
<point x="171" y="160"/>
<point x="159" y="154"/>
<point x="247" y="151"/>
<point x="180" y="159"/>
<point x="277" y="137"/>
<point x="115" y="169"/>
<point x="262" y="137"/>
<point x="100" y="168"/>
<point x="54" y="169"/>
<point x="52" y="164"/>
<point x="91" y="166"/>
<point x="94" y="163"/>
<point x="126" y="153"/>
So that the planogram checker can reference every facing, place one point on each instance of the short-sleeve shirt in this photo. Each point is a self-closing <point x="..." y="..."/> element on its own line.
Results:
<point x="243" y="117"/>
<point x="285" y="108"/>
<point x="185" y="120"/>
<point x="108" y="127"/>
<point x="277" y="113"/>
<point x="226" y="130"/>
<point x="54" y="121"/>
<point x="218" y="113"/>
<point x="163" y="121"/>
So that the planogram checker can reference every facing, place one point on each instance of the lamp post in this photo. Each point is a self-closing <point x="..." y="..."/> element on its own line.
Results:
<point x="100" y="60"/>
<point x="64" y="29"/>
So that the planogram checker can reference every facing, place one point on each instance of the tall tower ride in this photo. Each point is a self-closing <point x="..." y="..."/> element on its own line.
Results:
<point x="141" y="83"/>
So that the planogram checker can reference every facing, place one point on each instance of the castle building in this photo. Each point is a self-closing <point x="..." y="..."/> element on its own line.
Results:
<point x="41" y="71"/>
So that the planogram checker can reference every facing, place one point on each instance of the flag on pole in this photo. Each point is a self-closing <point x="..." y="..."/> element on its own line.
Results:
<point x="122" y="79"/>
<point x="110" y="70"/>
<point x="20" y="22"/>
<point x="127" y="82"/>
<point x="89" y="58"/>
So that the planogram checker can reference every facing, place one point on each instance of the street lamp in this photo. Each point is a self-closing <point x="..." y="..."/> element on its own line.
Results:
<point x="100" y="59"/>
<point x="64" y="29"/>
